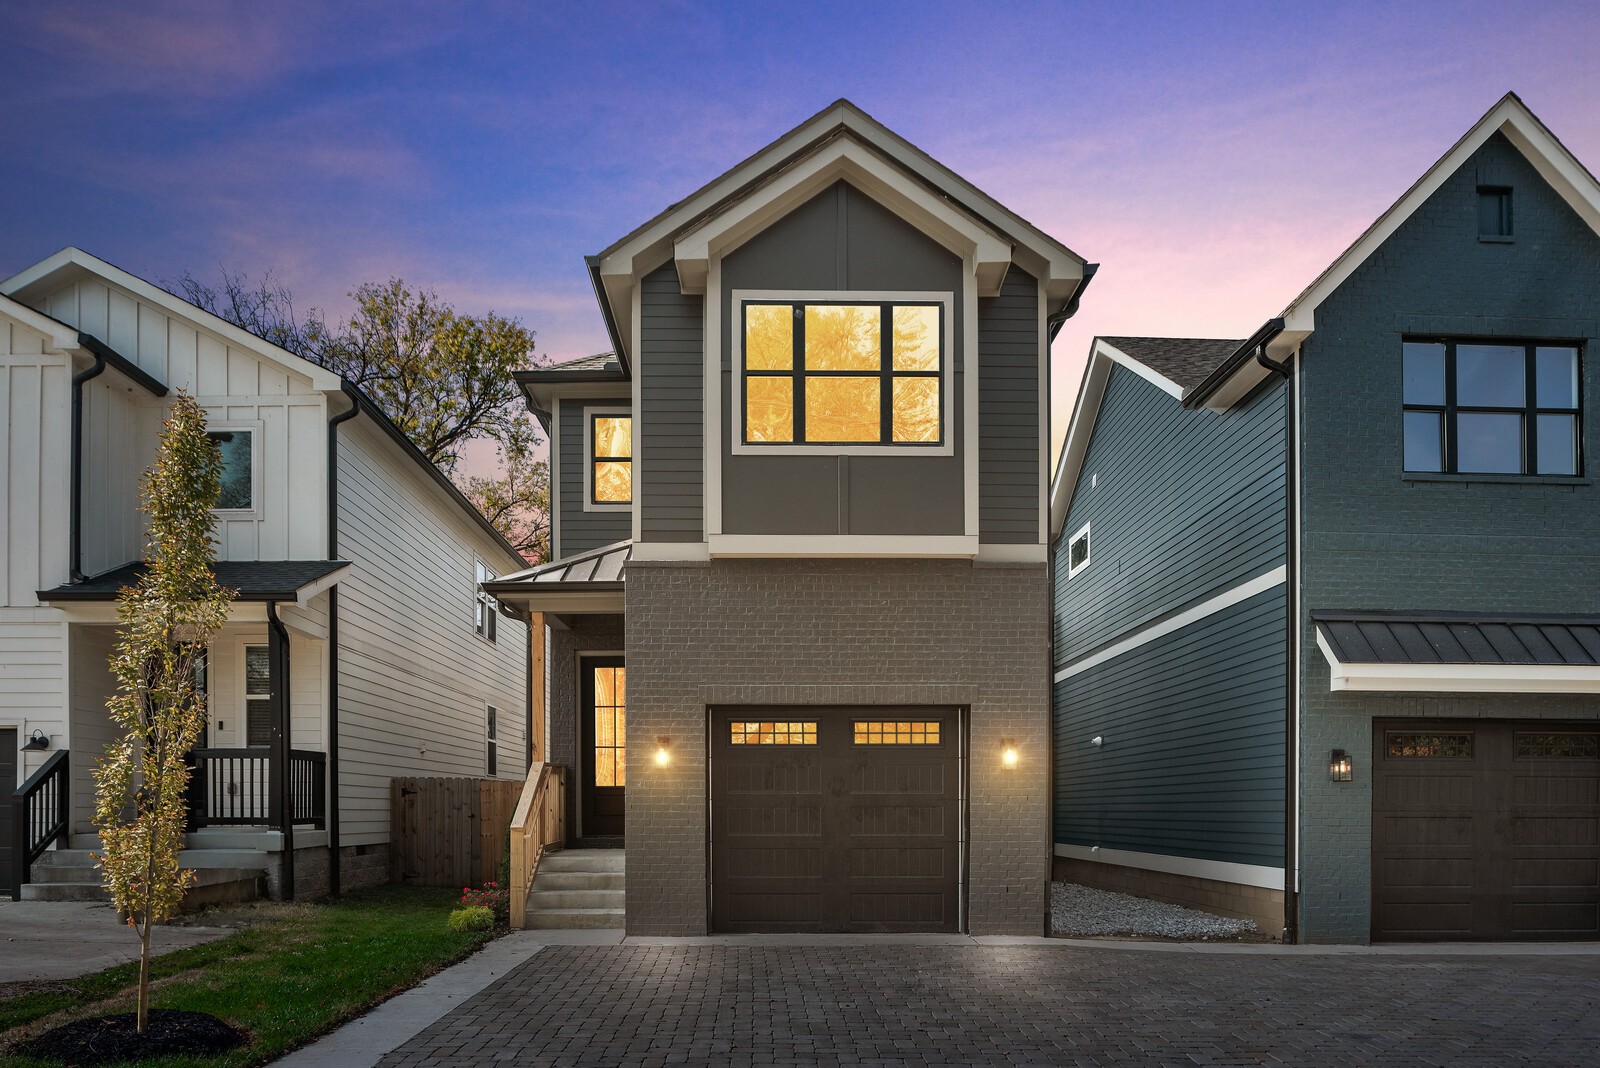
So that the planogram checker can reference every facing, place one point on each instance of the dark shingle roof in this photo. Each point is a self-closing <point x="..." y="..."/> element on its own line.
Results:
<point x="1443" y="638"/>
<point x="597" y="362"/>
<point x="256" y="580"/>
<point x="1184" y="360"/>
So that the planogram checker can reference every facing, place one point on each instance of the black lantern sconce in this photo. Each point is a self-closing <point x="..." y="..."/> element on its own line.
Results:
<point x="1340" y="766"/>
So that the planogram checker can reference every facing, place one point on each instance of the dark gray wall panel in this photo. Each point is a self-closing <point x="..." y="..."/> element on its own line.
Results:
<point x="1008" y="412"/>
<point x="841" y="239"/>
<point x="1192" y="761"/>
<point x="1183" y="505"/>
<point x="672" y="391"/>
<point x="581" y="530"/>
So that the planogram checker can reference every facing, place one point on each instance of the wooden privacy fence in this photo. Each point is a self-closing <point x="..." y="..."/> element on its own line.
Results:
<point x="449" y="832"/>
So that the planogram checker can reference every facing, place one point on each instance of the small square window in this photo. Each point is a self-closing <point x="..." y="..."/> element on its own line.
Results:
<point x="1494" y="211"/>
<point x="237" y="481"/>
<point x="1078" y="551"/>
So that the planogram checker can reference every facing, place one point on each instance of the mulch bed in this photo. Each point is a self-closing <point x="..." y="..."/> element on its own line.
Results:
<point x="109" y="1039"/>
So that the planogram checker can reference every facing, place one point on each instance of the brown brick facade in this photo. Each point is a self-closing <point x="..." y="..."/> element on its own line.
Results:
<point x="838" y="633"/>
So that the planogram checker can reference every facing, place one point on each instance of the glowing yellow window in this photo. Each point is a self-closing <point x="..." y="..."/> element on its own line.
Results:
<point x="610" y="726"/>
<point x="773" y="732"/>
<point x="611" y="475"/>
<point x="896" y="732"/>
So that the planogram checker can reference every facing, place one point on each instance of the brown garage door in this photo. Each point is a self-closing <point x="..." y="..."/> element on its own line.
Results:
<point x="1485" y="831"/>
<point x="835" y="820"/>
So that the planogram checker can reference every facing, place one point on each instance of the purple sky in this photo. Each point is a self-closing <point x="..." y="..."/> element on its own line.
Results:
<point x="1212" y="157"/>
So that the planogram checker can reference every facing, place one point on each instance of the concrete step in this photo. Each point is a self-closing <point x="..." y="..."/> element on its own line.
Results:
<point x="584" y="860"/>
<point x="82" y="860"/>
<point x="574" y="919"/>
<point x="212" y="886"/>
<point x="544" y="900"/>
<point x="577" y="880"/>
<point x="64" y="892"/>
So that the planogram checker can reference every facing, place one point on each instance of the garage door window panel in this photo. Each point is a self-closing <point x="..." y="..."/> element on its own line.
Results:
<point x="1428" y="745"/>
<point x="1532" y="746"/>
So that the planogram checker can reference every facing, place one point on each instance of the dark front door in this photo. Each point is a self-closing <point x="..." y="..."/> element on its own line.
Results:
<point x="1485" y="830"/>
<point x="8" y="785"/>
<point x="835" y="820"/>
<point x="603" y="720"/>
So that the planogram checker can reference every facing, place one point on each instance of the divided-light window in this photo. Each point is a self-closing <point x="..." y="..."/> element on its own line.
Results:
<point x="843" y="373"/>
<point x="1493" y="407"/>
<point x="611" y="473"/>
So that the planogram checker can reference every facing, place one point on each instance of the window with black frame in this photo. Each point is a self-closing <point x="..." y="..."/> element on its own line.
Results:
<point x="843" y="373"/>
<point x="1493" y="407"/>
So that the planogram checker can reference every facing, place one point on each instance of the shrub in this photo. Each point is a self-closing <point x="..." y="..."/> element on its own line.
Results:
<point x="492" y="896"/>
<point x="471" y="918"/>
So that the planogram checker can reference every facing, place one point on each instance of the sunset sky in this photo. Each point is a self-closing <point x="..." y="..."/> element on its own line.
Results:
<point x="1212" y="157"/>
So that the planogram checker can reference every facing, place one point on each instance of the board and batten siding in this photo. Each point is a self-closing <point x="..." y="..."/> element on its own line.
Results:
<point x="1182" y="506"/>
<point x="415" y="677"/>
<point x="237" y="387"/>
<point x="671" y="430"/>
<point x="582" y="530"/>
<point x="1192" y="756"/>
<point x="1008" y="412"/>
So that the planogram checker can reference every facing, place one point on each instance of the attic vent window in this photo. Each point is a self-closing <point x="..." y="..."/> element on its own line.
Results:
<point x="1078" y="552"/>
<point x="1494" y="213"/>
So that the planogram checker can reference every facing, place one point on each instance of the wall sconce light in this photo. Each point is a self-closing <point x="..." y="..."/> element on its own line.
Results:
<point x="37" y="741"/>
<point x="1008" y="752"/>
<point x="663" y="753"/>
<point x="1340" y="766"/>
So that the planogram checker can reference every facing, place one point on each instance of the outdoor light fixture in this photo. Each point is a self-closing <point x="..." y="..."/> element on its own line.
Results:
<point x="663" y="756"/>
<point x="1340" y="766"/>
<point x="1008" y="752"/>
<point x="37" y="741"/>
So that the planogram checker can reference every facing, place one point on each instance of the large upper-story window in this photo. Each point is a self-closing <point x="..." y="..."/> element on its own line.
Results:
<point x="238" y="481"/>
<point x="843" y="372"/>
<point x="610" y="447"/>
<point x="1493" y="407"/>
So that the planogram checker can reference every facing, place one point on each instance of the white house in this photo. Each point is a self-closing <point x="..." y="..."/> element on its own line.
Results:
<point x="358" y="648"/>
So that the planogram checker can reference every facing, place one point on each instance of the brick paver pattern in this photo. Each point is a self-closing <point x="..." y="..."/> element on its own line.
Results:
<point x="1035" y="1005"/>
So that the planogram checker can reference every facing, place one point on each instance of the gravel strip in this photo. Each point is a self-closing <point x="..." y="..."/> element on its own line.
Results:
<point x="1081" y="912"/>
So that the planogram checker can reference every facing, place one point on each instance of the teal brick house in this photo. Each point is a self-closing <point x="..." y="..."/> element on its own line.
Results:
<point x="1326" y="603"/>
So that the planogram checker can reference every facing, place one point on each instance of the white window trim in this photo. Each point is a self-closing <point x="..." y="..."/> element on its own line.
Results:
<point x="947" y="427"/>
<point x="489" y="603"/>
<point x="589" y="412"/>
<point x="1088" y="556"/>
<point x="256" y="430"/>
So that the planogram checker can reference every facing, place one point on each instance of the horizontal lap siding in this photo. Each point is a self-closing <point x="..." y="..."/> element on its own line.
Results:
<point x="414" y="675"/>
<point x="1192" y="724"/>
<point x="1184" y="505"/>
<point x="1009" y="492"/>
<point x="33" y="678"/>
<point x="581" y="530"/>
<point x="672" y="392"/>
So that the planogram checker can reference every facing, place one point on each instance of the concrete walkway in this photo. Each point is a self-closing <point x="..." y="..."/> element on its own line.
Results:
<point x="66" y="939"/>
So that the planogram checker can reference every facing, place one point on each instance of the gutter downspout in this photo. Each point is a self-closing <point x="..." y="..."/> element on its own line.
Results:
<point x="1054" y="322"/>
<point x="75" y="521"/>
<point x="279" y="755"/>
<point x="333" y="639"/>
<point x="1291" y="607"/>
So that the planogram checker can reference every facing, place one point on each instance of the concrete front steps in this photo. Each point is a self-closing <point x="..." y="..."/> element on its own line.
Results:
<point x="221" y="875"/>
<point x="577" y="888"/>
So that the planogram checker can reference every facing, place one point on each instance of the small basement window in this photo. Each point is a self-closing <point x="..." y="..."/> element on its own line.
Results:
<point x="236" y="447"/>
<point x="1078" y="551"/>
<point x="1494" y="212"/>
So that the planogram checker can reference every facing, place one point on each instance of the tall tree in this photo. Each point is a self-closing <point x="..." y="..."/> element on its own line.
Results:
<point x="166" y="620"/>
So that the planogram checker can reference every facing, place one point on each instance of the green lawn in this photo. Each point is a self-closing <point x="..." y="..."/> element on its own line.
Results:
<point x="283" y="981"/>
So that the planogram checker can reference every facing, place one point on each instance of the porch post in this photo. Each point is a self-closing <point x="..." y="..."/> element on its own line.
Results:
<point x="280" y="800"/>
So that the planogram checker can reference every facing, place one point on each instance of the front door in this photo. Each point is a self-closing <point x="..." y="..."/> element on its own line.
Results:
<point x="604" y="759"/>
<point x="8" y="784"/>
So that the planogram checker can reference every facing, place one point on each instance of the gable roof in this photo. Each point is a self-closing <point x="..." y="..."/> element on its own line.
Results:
<point x="1185" y="361"/>
<point x="840" y="141"/>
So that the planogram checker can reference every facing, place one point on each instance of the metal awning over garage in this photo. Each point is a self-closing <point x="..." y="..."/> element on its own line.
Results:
<point x="585" y="583"/>
<point x="1459" y="653"/>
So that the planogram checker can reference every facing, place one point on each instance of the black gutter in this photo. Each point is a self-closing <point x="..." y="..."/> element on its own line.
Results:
<point x="278" y="760"/>
<point x="606" y="313"/>
<point x="333" y="640"/>
<point x="75" y="521"/>
<point x="127" y="367"/>
<point x="1054" y="323"/>
<point x="1255" y="347"/>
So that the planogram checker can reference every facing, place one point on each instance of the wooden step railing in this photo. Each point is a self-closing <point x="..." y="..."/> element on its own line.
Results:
<point x="40" y="810"/>
<point x="538" y="825"/>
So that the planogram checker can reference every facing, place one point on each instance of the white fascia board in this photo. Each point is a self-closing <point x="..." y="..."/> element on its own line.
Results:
<point x="576" y="602"/>
<point x="953" y="546"/>
<point x="669" y="551"/>
<point x="1091" y="391"/>
<point x="1149" y="374"/>
<point x="1252" y="372"/>
<point x="1523" y="129"/>
<point x="42" y="272"/>
<point x="1012" y="553"/>
<point x="311" y="589"/>
<point x="59" y="336"/>
<point x="1458" y="678"/>
<point x="1195" y="867"/>
<point x="547" y="393"/>
<point x="847" y="159"/>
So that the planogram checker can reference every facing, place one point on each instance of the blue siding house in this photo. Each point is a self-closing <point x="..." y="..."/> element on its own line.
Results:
<point x="1326" y="599"/>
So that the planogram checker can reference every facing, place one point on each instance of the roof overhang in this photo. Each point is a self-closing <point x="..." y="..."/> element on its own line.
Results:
<point x="587" y="583"/>
<point x="868" y="153"/>
<point x="313" y="577"/>
<point x="1458" y="678"/>
<point x="542" y="388"/>
<point x="58" y="336"/>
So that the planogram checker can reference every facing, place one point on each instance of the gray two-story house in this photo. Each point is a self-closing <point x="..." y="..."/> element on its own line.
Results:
<point x="1327" y="599"/>
<point x="798" y="609"/>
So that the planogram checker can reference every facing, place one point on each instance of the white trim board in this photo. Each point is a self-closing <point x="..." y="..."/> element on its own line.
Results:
<point x="1195" y="867"/>
<point x="852" y="545"/>
<point x="1458" y="678"/>
<point x="1162" y="627"/>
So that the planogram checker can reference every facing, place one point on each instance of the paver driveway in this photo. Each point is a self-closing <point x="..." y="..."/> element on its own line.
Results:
<point x="952" y="1005"/>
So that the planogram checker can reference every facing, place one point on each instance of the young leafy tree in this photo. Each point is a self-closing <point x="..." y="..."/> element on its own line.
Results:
<point x="166" y="621"/>
<point x="517" y="502"/>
